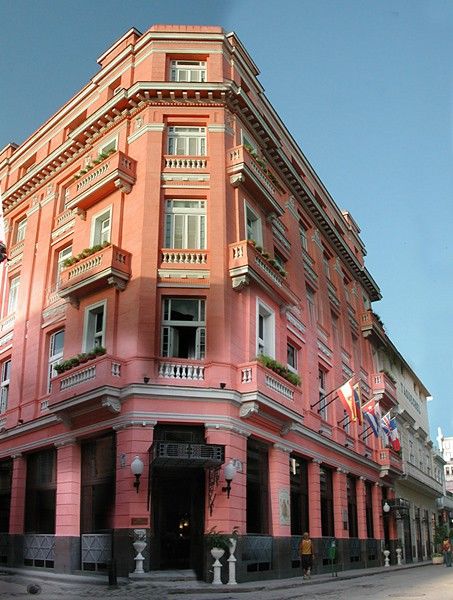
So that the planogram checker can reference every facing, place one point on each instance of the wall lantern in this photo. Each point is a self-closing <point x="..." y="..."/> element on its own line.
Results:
<point x="386" y="507"/>
<point x="229" y="472"/>
<point x="137" y="470"/>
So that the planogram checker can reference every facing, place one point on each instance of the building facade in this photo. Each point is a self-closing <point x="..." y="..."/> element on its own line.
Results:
<point x="183" y="289"/>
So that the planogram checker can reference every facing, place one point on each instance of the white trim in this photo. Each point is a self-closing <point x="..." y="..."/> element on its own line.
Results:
<point x="269" y="334"/>
<point x="145" y="129"/>
<point x="107" y="209"/>
<point x="257" y="219"/>
<point x="89" y="309"/>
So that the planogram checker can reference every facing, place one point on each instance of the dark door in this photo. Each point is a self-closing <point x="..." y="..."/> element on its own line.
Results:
<point x="178" y="514"/>
<point x="407" y="540"/>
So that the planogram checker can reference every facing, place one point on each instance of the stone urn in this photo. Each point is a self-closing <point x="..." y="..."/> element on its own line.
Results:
<point x="386" y="558"/>
<point x="217" y="553"/>
<point x="139" y="545"/>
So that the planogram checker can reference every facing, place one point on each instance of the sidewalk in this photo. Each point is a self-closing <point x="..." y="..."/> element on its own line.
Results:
<point x="83" y="584"/>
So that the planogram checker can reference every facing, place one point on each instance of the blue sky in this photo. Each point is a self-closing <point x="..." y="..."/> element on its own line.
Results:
<point x="365" y="88"/>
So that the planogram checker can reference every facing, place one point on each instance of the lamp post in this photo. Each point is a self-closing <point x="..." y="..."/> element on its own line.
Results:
<point x="137" y="470"/>
<point x="229" y="473"/>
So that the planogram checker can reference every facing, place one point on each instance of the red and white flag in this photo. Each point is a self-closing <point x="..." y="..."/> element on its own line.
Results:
<point x="346" y="395"/>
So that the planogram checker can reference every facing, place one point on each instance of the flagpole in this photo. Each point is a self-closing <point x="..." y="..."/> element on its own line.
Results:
<point x="369" y="427"/>
<point x="326" y="395"/>
<point x="367" y="436"/>
<point x="343" y="420"/>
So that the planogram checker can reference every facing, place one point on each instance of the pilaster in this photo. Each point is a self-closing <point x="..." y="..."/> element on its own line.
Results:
<point x="314" y="498"/>
<point x="279" y="491"/>
<point x="340" y="503"/>
<point x="361" y="508"/>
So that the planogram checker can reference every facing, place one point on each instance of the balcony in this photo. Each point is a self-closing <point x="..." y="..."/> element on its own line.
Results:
<point x="171" y="454"/>
<point x="383" y="385"/>
<point x="253" y="173"/>
<point x="247" y="264"/>
<point x="255" y="377"/>
<point x="181" y="370"/>
<point x="111" y="266"/>
<point x="420" y="480"/>
<point x="185" y="163"/>
<point x="372" y="327"/>
<point x="184" y="264"/>
<point x="117" y="171"/>
<point x="390" y="462"/>
<point x="83" y="385"/>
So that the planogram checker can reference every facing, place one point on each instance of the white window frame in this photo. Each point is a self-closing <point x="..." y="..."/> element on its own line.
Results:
<point x="168" y="335"/>
<point x="196" y="70"/>
<point x="178" y="212"/>
<point x="326" y="265"/>
<point x="292" y="367"/>
<point x="265" y="329"/>
<point x="13" y="294"/>
<point x="21" y="229"/>
<point x="100" y="217"/>
<point x="54" y="357"/>
<point x="4" y="385"/>
<point x="253" y="225"/>
<point x="186" y="140"/>
<point x="63" y="255"/>
<point x="112" y="142"/>
<point x="90" y="337"/>
<point x="303" y="234"/>
<point x="311" y="303"/>
<point x="322" y="409"/>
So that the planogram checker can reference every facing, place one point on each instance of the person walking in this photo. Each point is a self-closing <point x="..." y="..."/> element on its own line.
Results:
<point x="306" y="555"/>
<point x="446" y="549"/>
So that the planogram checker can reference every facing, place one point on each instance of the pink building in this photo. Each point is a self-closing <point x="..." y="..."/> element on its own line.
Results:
<point x="183" y="289"/>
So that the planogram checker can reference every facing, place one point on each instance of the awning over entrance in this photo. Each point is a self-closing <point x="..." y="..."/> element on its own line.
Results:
<point x="171" y="454"/>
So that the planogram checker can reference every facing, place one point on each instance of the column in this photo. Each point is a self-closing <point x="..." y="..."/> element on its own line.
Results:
<point x="361" y="508"/>
<point x="131" y="507"/>
<point x="231" y="512"/>
<point x="314" y="498"/>
<point x="340" y="504"/>
<point x="17" y="511"/>
<point x="377" y="511"/>
<point x="279" y="490"/>
<point x="67" y="510"/>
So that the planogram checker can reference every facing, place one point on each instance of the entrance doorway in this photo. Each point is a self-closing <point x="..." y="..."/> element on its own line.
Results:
<point x="178" y="516"/>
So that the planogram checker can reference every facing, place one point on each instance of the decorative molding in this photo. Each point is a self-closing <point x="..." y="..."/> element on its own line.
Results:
<point x="117" y="282"/>
<point x="240" y="282"/>
<point x="159" y="127"/>
<point x="113" y="405"/>
<point x="283" y="448"/>
<point x="123" y="186"/>
<point x="69" y="441"/>
<point x="248" y="409"/>
<point x="237" y="180"/>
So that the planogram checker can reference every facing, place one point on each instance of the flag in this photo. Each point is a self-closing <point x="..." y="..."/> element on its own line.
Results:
<point x="346" y="395"/>
<point x="358" y="402"/>
<point x="394" y="437"/>
<point x="385" y="429"/>
<point x="372" y="413"/>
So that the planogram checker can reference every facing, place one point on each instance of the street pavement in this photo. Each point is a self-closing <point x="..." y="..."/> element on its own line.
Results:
<point x="411" y="582"/>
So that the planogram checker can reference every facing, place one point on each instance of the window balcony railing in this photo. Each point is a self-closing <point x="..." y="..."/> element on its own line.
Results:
<point x="185" y="163"/>
<point x="382" y="384"/>
<point x="390" y="462"/>
<point x="177" y="258"/>
<point x="247" y="264"/>
<point x="7" y="324"/>
<point x="63" y="222"/>
<point x="181" y="369"/>
<point x="110" y="266"/>
<point x="254" y="376"/>
<point x="70" y="386"/>
<point x="117" y="171"/>
<point x="252" y="171"/>
<point x="372" y="326"/>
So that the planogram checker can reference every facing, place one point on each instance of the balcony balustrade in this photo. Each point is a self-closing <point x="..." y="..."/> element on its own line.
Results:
<point x="247" y="264"/>
<point x="253" y="172"/>
<point x="185" y="163"/>
<point x="109" y="266"/>
<point x="180" y="258"/>
<point x="68" y="387"/>
<point x="117" y="171"/>
<point x="256" y="377"/>
<point x="390" y="462"/>
<point x="371" y="326"/>
<point x="186" y="370"/>
<point x="382" y="384"/>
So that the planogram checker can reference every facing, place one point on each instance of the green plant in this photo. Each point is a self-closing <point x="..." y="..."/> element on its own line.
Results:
<point x="278" y="368"/>
<point x="99" y="350"/>
<point x="440" y="533"/>
<point x="217" y="539"/>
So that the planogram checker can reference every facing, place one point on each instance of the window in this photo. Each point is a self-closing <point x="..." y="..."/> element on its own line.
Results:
<point x="327" y="522"/>
<point x="265" y="341"/>
<point x="94" y="326"/>
<point x="279" y="259"/>
<point x="109" y="147"/>
<point x="187" y="141"/>
<point x="312" y="312"/>
<point x="40" y="497"/>
<point x="100" y="227"/>
<point x="20" y="231"/>
<point x="303" y="237"/>
<point x="185" y="224"/>
<point x="56" y="344"/>
<point x="253" y="225"/>
<point x="184" y="328"/>
<point x="188" y="70"/>
<point x="322" y="376"/>
<point x="257" y="487"/>
<point x="352" y="506"/>
<point x="6" y="475"/>
<point x="325" y="264"/>
<point x="4" y="385"/>
<point x="291" y="352"/>
<point x="369" y="510"/>
<point x="62" y="256"/>
<point x="298" y="475"/>
<point x="13" y="292"/>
